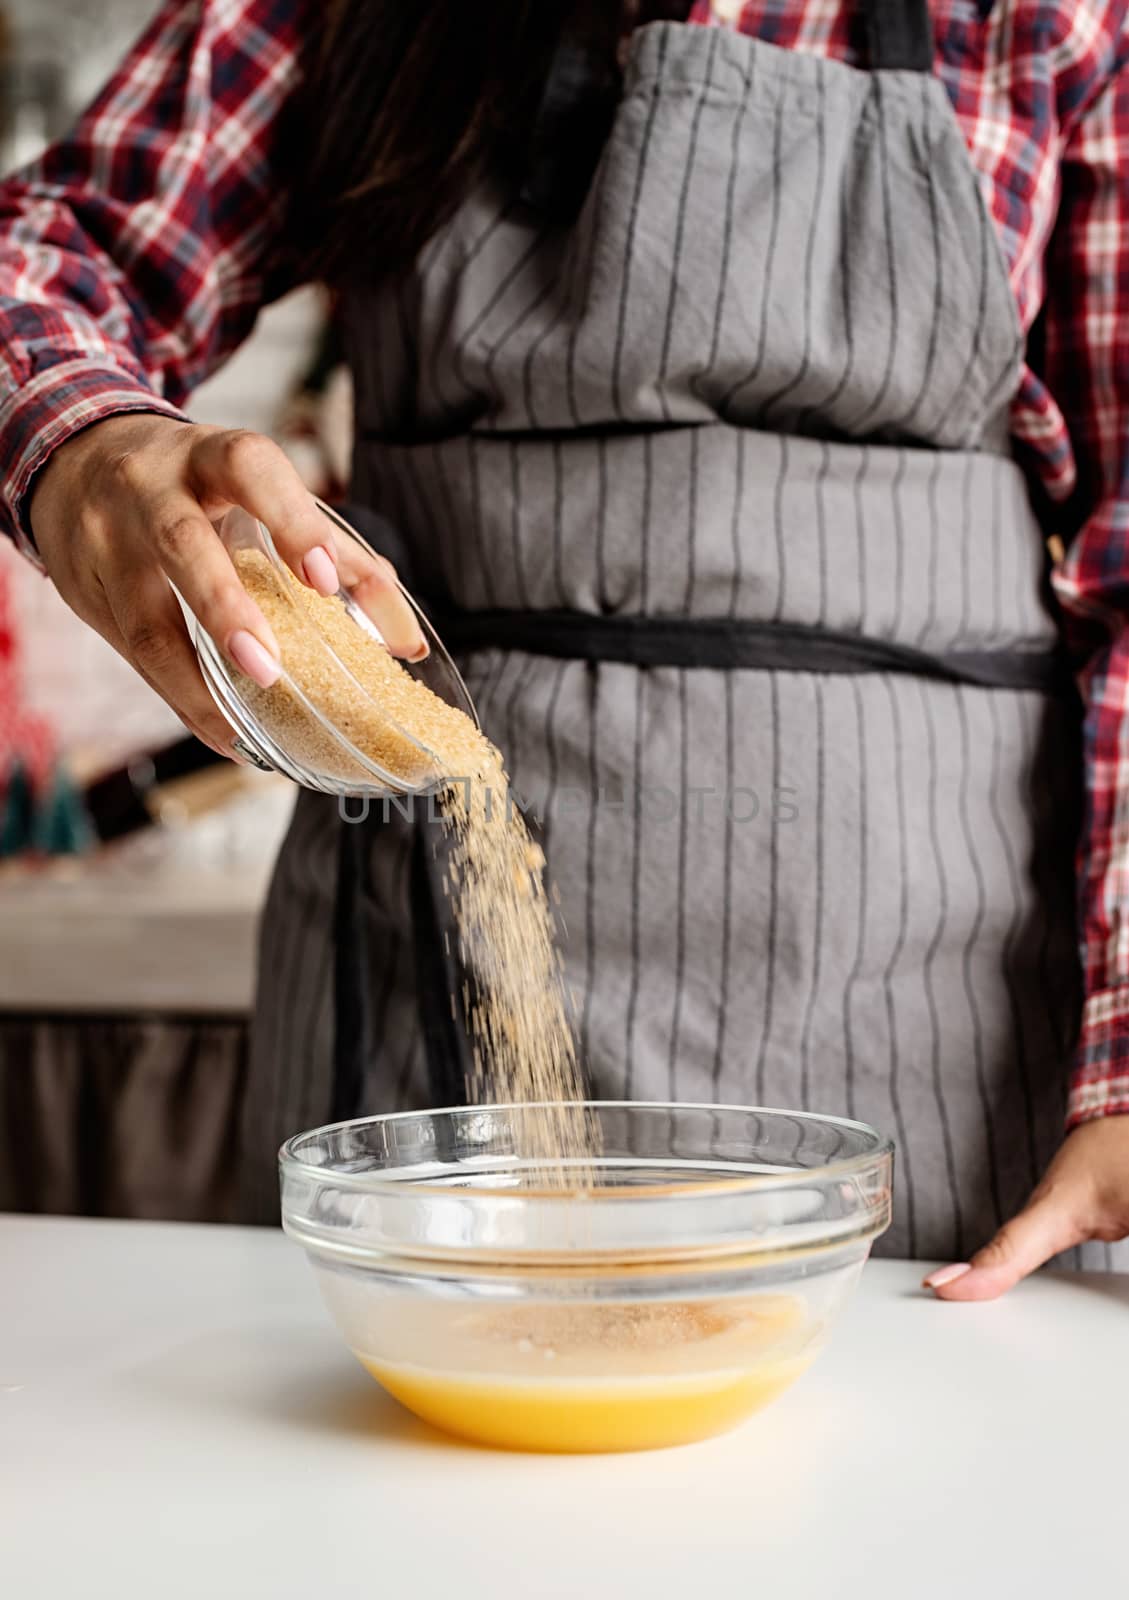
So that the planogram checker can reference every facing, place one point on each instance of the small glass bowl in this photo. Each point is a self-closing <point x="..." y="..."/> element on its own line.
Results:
<point x="341" y="768"/>
<point x="697" y="1278"/>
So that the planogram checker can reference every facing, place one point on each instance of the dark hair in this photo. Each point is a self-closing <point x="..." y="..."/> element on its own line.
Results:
<point x="406" y="103"/>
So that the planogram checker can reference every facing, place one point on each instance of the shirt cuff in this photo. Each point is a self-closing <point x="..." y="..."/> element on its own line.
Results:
<point x="1099" y="1086"/>
<point x="54" y="405"/>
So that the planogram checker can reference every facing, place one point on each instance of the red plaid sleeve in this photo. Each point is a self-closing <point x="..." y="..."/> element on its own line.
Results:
<point x="135" y="255"/>
<point x="1087" y="368"/>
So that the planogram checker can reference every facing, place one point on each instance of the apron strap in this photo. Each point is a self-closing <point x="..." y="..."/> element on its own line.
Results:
<point x="899" y="35"/>
<point x="438" y="973"/>
<point x="350" y="972"/>
<point x="582" y="90"/>
<point x="572" y="126"/>
<point x="574" y="119"/>
<point x="726" y="644"/>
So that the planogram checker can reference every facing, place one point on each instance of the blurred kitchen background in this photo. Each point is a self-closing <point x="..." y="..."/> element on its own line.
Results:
<point x="132" y="865"/>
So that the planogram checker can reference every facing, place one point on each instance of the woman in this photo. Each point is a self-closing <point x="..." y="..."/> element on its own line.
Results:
<point x="693" y="358"/>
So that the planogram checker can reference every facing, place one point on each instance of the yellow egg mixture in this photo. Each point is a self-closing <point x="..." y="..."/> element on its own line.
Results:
<point x="602" y="1376"/>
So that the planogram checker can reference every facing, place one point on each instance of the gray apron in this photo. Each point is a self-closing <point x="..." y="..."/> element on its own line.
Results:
<point x="710" y="487"/>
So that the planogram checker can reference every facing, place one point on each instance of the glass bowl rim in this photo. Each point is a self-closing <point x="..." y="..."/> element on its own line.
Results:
<point x="881" y="1149"/>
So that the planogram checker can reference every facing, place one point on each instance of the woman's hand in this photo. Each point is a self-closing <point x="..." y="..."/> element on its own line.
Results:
<point x="127" y="506"/>
<point x="1085" y="1195"/>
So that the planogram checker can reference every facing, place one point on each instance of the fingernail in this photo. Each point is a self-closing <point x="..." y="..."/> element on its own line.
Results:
<point x="421" y="652"/>
<point x="320" y="570"/>
<point x="943" y="1275"/>
<point x="253" y="659"/>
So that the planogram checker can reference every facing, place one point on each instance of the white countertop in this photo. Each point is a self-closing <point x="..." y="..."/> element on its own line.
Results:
<point x="178" y="1418"/>
<point x="166" y="922"/>
<point x="179" y="942"/>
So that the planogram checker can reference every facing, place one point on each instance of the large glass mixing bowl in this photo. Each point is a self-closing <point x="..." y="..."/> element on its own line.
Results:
<point x="698" y="1278"/>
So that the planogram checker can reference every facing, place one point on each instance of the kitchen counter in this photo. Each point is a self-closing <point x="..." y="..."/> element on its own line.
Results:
<point x="127" y="982"/>
<point x="179" y="1419"/>
<point x="164" y="922"/>
<point x="180" y="942"/>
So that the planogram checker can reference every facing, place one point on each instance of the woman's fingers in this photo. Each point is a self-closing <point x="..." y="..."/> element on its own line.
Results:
<point x="382" y="599"/>
<point x="1084" y="1195"/>
<point x="96" y="613"/>
<point x="371" y="581"/>
<point x="193" y="556"/>
<point x="249" y="470"/>
<point x="144" y="624"/>
<point x="1046" y="1225"/>
<point x="125" y="509"/>
<point x="212" y="731"/>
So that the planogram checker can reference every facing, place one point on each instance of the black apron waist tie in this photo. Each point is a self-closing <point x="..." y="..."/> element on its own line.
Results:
<point x="729" y="645"/>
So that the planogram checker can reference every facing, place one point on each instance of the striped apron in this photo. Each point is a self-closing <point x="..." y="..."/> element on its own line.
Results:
<point x="704" y="472"/>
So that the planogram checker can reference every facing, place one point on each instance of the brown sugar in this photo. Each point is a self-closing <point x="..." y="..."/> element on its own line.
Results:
<point x="633" y="1326"/>
<point x="517" y="1018"/>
